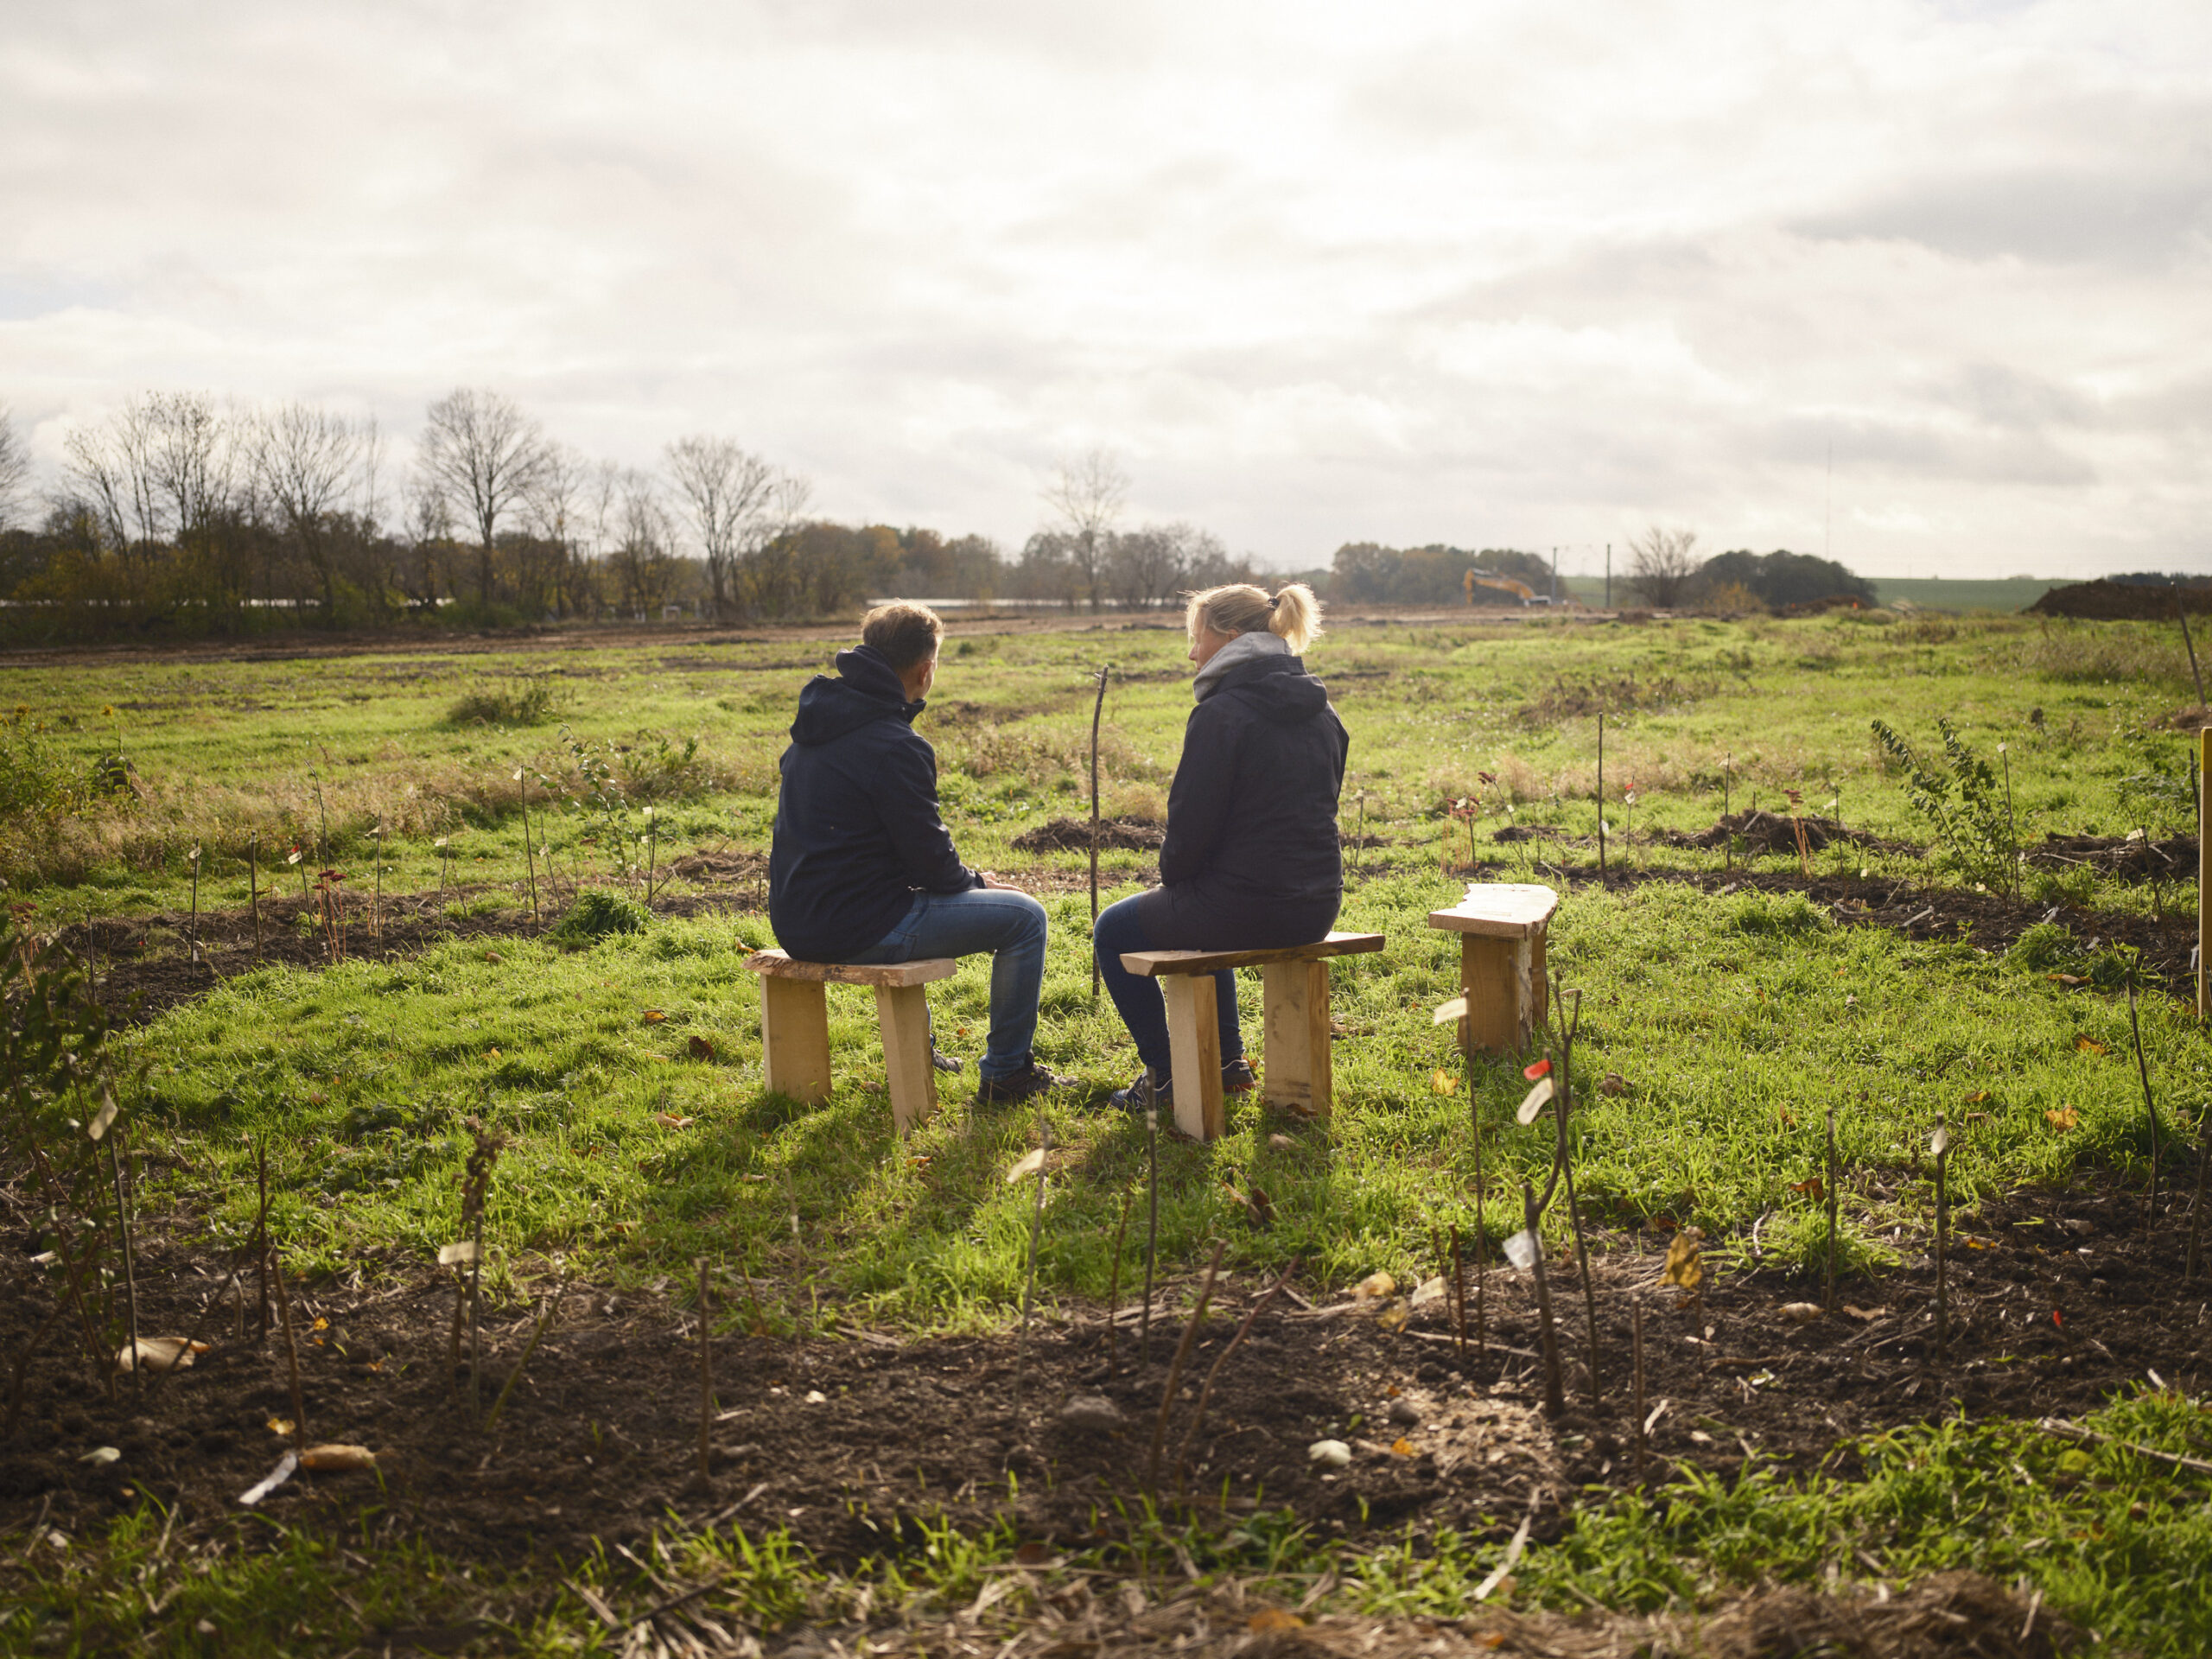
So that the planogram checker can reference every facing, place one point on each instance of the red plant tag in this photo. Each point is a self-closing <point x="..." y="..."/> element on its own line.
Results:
<point x="1541" y="1069"/>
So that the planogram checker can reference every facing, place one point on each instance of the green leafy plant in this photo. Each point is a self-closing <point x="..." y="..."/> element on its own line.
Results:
<point x="1962" y="800"/>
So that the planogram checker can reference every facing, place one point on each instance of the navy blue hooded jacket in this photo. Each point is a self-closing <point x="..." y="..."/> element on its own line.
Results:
<point x="857" y="827"/>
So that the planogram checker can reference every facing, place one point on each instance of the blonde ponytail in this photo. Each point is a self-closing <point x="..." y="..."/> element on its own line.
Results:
<point x="1293" y="615"/>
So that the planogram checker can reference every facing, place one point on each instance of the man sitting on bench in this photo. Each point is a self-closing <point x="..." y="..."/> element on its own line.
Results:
<point x="864" y="869"/>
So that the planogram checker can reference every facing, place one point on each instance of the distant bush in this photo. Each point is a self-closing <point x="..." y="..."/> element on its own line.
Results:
<point x="520" y="702"/>
<point x="598" y="914"/>
<point x="33" y="778"/>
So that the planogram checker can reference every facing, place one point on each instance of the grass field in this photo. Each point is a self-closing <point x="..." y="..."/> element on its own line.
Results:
<point x="1735" y="1023"/>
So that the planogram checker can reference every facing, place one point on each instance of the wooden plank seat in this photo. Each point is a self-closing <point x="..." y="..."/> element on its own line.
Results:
<point x="1501" y="926"/>
<point x="1295" y="1063"/>
<point x="795" y="1027"/>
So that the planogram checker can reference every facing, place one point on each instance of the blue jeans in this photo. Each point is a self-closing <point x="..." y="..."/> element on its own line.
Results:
<point x="1008" y="923"/>
<point x="1137" y="999"/>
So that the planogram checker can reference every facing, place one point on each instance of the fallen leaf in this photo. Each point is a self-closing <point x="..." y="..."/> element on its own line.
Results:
<point x="1376" y="1287"/>
<point x="491" y="1054"/>
<point x="1533" y="1101"/>
<point x="700" y="1049"/>
<point x="1401" y="1447"/>
<point x="1541" y="1069"/>
<point x="1683" y="1267"/>
<point x="2087" y="1044"/>
<point x="100" y="1456"/>
<point x="2063" y="1119"/>
<point x="1978" y="1096"/>
<point x="159" y="1354"/>
<point x="1810" y="1187"/>
<point x="1028" y="1164"/>
<point x="1394" y="1317"/>
<point x="491" y="956"/>
<point x="1801" y="1312"/>
<point x="1274" y="1618"/>
<point x="654" y="1017"/>
<point x="334" y="1458"/>
<point x="670" y="1121"/>
<point x="1868" y="1314"/>
<point x="1441" y="1082"/>
<point x="280" y="1426"/>
<point x="1283" y="1143"/>
<point x="1612" y="1084"/>
<point x="2068" y="980"/>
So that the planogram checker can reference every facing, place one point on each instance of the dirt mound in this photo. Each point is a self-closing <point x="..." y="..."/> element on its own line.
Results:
<point x="1073" y="836"/>
<point x="1760" y="831"/>
<point x="2121" y="602"/>
<point x="2131" y="857"/>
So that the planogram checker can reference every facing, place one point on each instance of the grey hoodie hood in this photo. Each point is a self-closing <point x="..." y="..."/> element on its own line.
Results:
<point x="1244" y="648"/>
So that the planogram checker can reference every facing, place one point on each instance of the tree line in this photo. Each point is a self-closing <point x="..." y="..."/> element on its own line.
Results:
<point x="176" y="513"/>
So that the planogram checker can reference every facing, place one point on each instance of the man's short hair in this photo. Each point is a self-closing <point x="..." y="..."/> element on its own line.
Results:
<point x="904" y="632"/>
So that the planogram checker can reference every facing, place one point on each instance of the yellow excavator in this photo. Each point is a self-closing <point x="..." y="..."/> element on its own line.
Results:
<point x="1520" y="590"/>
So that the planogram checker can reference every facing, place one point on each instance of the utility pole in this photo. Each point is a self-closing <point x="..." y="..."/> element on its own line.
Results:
<point x="1554" y="578"/>
<point x="1609" y="575"/>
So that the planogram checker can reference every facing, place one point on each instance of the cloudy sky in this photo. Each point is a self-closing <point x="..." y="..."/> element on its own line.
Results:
<point x="1927" y="284"/>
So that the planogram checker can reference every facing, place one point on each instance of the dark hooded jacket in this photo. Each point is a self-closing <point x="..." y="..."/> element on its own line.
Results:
<point x="1251" y="859"/>
<point x="857" y="828"/>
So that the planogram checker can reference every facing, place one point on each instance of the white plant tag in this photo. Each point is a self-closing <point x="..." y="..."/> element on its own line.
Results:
<point x="1533" y="1101"/>
<point x="1521" y="1250"/>
<point x="459" y="1255"/>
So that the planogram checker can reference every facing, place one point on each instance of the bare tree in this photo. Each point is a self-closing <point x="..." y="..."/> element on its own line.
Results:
<point x="732" y="497"/>
<point x="14" y="467"/>
<point x="484" y="453"/>
<point x="1146" y="566"/>
<point x="304" y="460"/>
<point x="1661" y="565"/>
<point x="1089" y="492"/>
<point x="644" y="556"/>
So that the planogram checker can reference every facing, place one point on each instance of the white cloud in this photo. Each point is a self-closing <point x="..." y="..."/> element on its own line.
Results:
<point x="1506" y="273"/>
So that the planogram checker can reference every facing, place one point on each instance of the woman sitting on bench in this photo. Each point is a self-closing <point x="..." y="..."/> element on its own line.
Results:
<point x="1252" y="859"/>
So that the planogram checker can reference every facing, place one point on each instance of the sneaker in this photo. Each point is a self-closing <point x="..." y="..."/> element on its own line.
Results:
<point x="1131" y="1099"/>
<point x="1238" y="1077"/>
<point x="1032" y="1079"/>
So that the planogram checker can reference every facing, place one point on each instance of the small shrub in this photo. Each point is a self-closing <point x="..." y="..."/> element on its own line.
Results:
<point x="1963" y="802"/>
<point x="1799" y="1241"/>
<point x="519" y="703"/>
<point x="597" y="914"/>
<point x="34" y="778"/>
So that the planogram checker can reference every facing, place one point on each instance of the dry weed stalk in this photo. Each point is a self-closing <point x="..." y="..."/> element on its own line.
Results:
<point x="2149" y="1109"/>
<point x="1152" y="1225"/>
<point x="1029" y="1280"/>
<point x="705" y="1374"/>
<point x="1206" y="1388"/>
<point x="546" y="1315"/>
<point x="1175" y="1370"/>
<point x="1114" y="1290"/>
<point x="291" y="1349"/>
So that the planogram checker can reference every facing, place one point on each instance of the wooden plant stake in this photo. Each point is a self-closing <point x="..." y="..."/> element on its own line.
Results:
<point x="261" y="1235"/>
<point x="1114" y="1291"/>
<point x="2196" y="1205"/>
<point x="253" y="888"/>
<point x="1635" y="1347"/>
<point x="1175" y="1370"/>
<point x="1458" y="1297"/>
<point x="2013" y="833"/>
<point x="1152" y="1225"/>
<point x="1555" y="1393"/>
<point x="1097" y="709"/>
<point x="195" y="904"/>
<point x="529" y="857"/>
<point x="129" y="1268"/>
<point x="291" y="1349"/>
<point x="705" y="1374"/>
<point x="376" y="909"/>
<point x="2182" y="616"/>
<point x="1601" y="795"/>
<point x="1830" y="1296"/>
<point x="2150" y="1111"/>
<point x="1036" y="1229"/>
<point x="1940" y="1145"/>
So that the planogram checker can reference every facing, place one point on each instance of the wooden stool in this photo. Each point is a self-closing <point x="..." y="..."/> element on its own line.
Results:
<point x="1295" y="1069"/>
<point x="795" y="1027"/>
<point x="1501" y="926"/>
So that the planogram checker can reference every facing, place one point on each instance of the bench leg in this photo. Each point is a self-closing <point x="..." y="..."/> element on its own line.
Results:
<point x="795" y="1038"/>
<point x="1297" y="1073"/>
<point x="902" y="1013"/>
<point x="1194" y="1052"/>
<point x="1499" y="978"/>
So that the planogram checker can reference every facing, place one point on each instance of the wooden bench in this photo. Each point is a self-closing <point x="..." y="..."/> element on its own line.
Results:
<point x="795" y="1027"/>
<point x="1295" y="1067"/>
<point x="1501" y="926"/>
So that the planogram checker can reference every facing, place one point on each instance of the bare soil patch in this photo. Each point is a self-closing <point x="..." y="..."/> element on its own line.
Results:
<point x="1073" y="836"/>
<point x="2131" y="858"/>
<point x="852" y="1443"/>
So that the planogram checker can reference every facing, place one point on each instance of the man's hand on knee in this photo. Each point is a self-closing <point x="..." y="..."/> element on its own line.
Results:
<point x="991" y="880"/>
